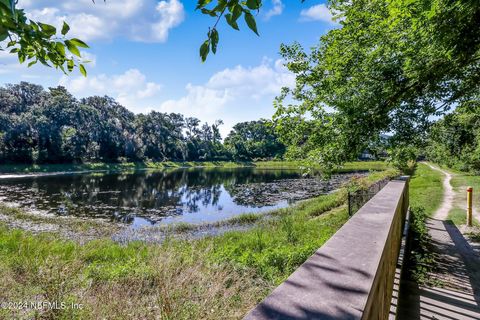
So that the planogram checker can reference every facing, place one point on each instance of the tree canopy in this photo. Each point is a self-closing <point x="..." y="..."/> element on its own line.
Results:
<point x="388" y="68"/>
<point x="455" y="140"/>
<point x="52" y="126"/>
<point x="254" y="140"/>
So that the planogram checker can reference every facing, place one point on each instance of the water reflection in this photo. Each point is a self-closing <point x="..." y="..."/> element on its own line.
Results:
<point x="147" y="197"/>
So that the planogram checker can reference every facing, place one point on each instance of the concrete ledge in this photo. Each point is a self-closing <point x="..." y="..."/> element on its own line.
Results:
<point x="351" y="276"/>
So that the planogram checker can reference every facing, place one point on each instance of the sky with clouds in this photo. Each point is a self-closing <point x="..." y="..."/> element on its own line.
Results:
<point x="144" y="53"/>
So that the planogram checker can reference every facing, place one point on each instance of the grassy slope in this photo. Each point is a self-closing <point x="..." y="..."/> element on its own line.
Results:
<point x="426" y="188"/>
<point x="213" y="278"/>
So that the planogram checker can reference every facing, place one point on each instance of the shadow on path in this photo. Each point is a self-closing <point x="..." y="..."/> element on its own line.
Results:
<point x="457" y="295"/>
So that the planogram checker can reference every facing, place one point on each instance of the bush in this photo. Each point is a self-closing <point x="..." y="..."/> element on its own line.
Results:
<point x="421" y="259"/>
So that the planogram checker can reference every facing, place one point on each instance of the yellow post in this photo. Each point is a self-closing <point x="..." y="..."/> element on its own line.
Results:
<point x="469" y="206"/>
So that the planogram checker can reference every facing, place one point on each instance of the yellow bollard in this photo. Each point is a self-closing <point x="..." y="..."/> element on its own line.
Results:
<point x="469" y="206"/>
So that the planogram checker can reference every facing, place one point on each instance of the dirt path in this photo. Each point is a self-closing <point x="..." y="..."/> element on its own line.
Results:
<point x="448" y="195"/>
<point x="456" y="293"/>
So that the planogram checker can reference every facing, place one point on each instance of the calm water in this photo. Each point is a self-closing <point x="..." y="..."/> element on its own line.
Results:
<point x="148" y="197"/>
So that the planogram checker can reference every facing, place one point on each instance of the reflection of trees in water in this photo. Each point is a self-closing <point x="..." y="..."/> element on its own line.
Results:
<point x="146" y="193"/>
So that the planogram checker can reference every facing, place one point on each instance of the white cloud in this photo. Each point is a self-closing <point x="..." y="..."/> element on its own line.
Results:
<point x="276" y="10"/>
<point x="90" y="57"/>
<point x="234" y="94"/>
<point x="9" y="63"/>
<point x="319" y="12"/>
<point x="171" y="15"/>
<point x="128" y="88"/>
<point x="140" y="20"/>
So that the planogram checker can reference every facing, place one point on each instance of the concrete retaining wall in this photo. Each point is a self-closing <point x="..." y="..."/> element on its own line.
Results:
<point x="351" y="276"/>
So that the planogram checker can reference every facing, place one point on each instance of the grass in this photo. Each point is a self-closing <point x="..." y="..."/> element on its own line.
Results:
<point x="347" y="167"/>
<point x="48" y="168"/>
<point x="26" y="168"/>
<point x="426" y="189"/>
<point x="426" y="193"/>
<point x="244" y="218"/>
<point x="458" y="216"/>
<point x="211" y="278"/>
<point x="460" y="182"/>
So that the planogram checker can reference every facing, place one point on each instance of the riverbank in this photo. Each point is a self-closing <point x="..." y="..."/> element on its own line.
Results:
<point x="210" y="278"/>
<point x="52" y="168"/>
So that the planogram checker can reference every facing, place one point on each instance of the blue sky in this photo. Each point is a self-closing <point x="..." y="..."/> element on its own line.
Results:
<point x="145" y="54"/>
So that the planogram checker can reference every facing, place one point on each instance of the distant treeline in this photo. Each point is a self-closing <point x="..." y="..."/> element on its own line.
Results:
<point x="455" y="140"/>
<point x="52" y="126"/>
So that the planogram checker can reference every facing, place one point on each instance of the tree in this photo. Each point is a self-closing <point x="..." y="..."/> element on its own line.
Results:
<point x="455" y="140"/>
<point x="254" y="140"/>
<point x="388" y="68"/>
<point x="39" y="126"/>
<point x="35" y="42"/>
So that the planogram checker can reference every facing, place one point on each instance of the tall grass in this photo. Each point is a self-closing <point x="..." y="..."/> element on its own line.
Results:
<point x="211" y="278"/>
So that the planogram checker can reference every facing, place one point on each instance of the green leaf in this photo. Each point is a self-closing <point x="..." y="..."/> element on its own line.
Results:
<point x="72" y="48"/>
<point x="254" y="4"/>
<point x="231" y="22"/>
<point x="3" y="36"/>
<point x="211" y="13"/>
<point x="214" y="40"/>
<point x="32" y="63"/>
<point x="70" y="65"/>
<point x="65" y="28"/>
<point x="222" y="4"/>
<point x="48" y="29"/>
<point x="83" y="71"/>
<point x="236" y="12"/>
<point x="250" y="20"/>
<point x="204" y="50"/>
<point x="60" y="47"/>
<point x="79" y="43"/>
<point x="202" y="3"/>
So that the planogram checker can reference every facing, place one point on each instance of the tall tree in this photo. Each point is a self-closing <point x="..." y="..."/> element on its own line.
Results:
<point x="389" y="67"/>
<point x="254" y="140"/>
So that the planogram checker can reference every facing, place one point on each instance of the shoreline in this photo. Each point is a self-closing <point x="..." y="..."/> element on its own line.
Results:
<point x="15" y="170"/>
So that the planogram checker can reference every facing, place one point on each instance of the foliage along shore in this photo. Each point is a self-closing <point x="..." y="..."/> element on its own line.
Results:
<point x="123" y="166"/>
<point x="210" y="278"/>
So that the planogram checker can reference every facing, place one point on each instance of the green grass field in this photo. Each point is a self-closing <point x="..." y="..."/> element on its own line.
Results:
<point x="211" y="278"/>
<point x="460" y="182"/>
<point x="426" y="188"/>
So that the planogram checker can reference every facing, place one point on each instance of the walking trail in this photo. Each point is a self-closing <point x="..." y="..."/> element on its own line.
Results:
<point x="456" y="293"/>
